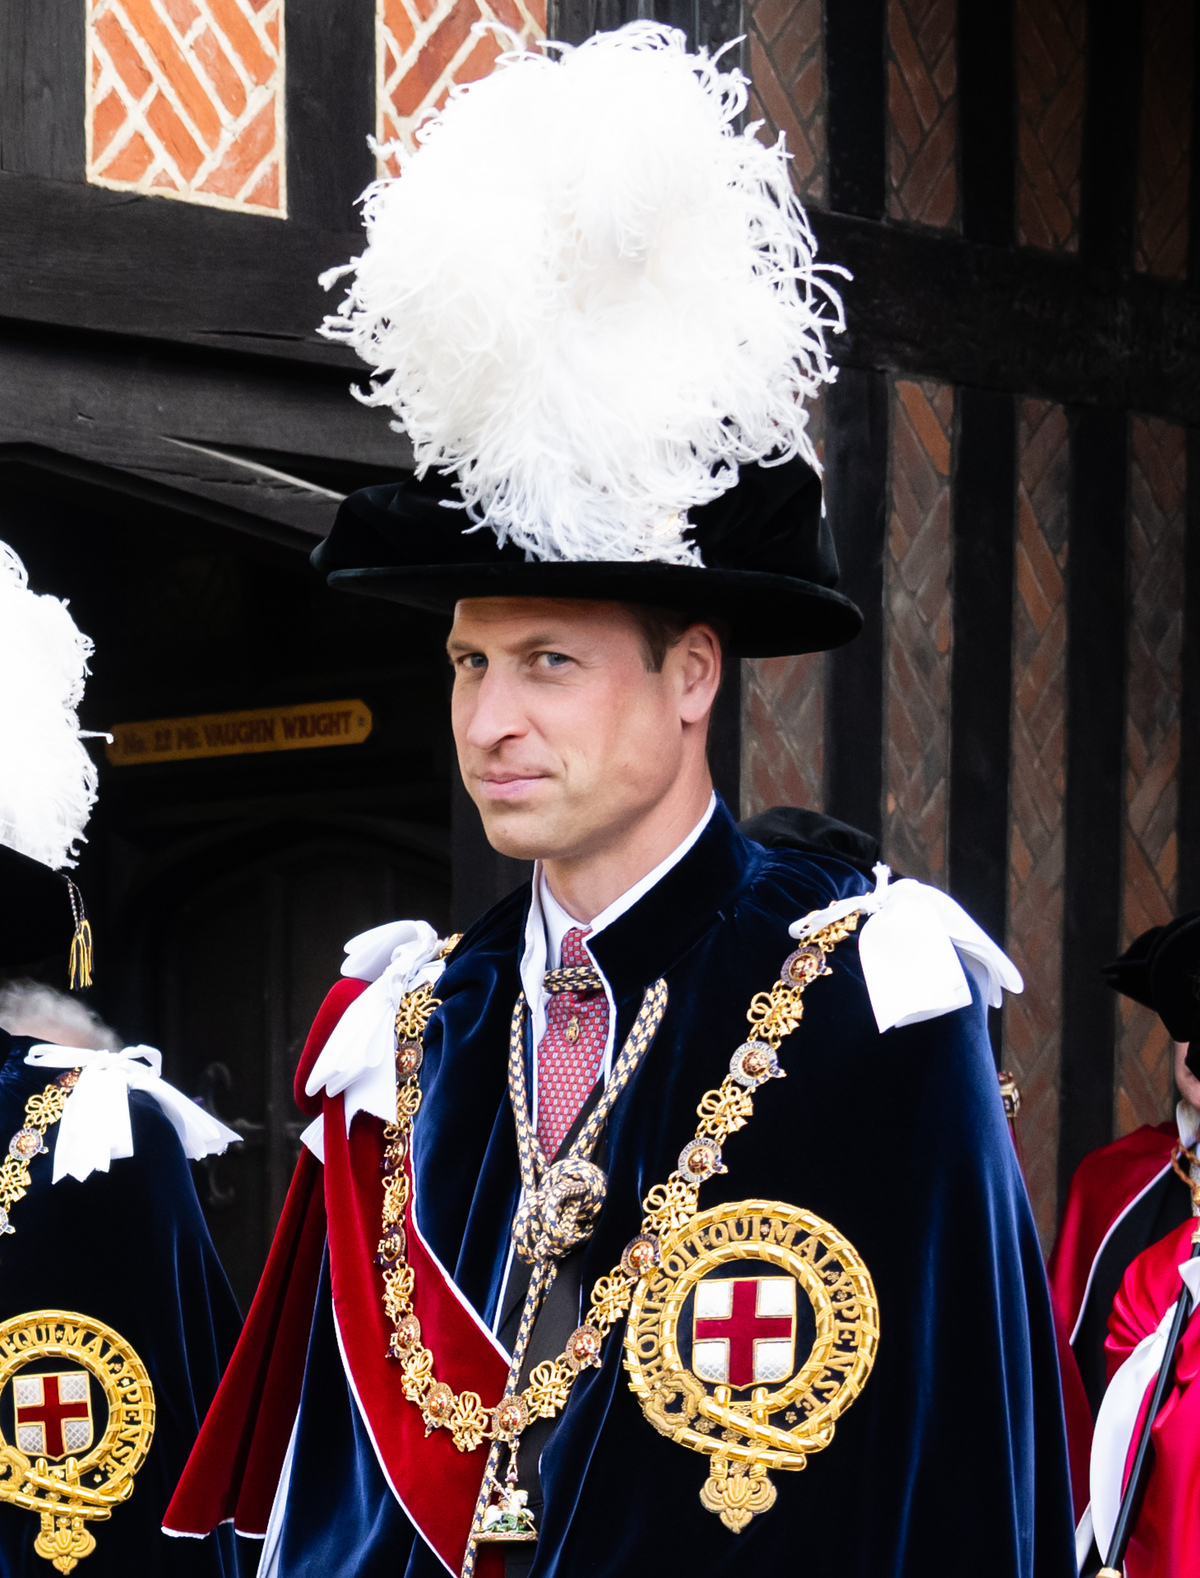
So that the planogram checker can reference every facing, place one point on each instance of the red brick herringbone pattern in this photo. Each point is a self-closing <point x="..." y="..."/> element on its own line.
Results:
<point x="783" y="716"/>
<point x="788" y="93"/>
<point x="1033" y="1021"/>
<point x="918" y="631"/>
<point x="1050" y="90"/>
<point x="1161" y="234"/>
<point x="423" y="47"/>
<point x="783" y="732"/>
<point x="1144" y="1088"/>
<point x="185" y="98"/>
<point x="922" y="112"/>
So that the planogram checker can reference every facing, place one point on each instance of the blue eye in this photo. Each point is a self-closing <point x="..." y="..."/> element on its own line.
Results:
<point x="555" y="659"/>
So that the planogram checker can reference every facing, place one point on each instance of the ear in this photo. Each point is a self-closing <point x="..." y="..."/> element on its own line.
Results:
<point x="697" y="656"/>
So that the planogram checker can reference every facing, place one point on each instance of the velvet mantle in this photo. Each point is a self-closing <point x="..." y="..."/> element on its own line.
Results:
<point x="131" y="1248"/>
<point x="953" y="1458"/>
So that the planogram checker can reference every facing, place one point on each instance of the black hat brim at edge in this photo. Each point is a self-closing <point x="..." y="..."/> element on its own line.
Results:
<point x="769" y="567"/>
<point x="767" y="615"/>
<point x="35" y="911"/>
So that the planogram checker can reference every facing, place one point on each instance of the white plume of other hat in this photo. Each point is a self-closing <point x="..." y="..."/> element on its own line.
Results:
<point x="591" y="297"/>
<point x="47" y="778"/>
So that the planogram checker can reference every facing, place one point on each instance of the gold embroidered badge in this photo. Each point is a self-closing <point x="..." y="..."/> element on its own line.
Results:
<point x="58" y="1372"/>
<point x="755" y="1366"/>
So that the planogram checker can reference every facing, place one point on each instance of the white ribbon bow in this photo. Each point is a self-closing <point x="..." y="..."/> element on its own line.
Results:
<point x="1114" y="1424"/>
<point x="909" y="948"/>
<point x="95" y="1129"/>
<point x="359" y="1057"/>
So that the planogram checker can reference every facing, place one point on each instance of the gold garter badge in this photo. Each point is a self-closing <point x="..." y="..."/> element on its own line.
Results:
<point x="755" y="1330"/>
<point x="76" y="1422"/>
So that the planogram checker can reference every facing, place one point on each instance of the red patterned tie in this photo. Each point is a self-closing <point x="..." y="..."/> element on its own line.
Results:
<point x="571" y="1052"/>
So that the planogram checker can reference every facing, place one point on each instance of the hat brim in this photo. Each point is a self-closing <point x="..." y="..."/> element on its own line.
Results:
<point x="35" y="911"/>
<point x="768" y="615"/>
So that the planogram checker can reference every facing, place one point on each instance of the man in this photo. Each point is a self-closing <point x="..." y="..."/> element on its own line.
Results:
<point x="115" y="1316"/>
<point x="572" y="1280"/>
<point x="1126" y="1196"/>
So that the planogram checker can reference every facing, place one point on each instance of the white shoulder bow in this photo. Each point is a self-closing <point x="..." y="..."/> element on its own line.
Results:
<point x="359" y="1057"/>
<point x="912" y="948"/>
<point x="95" y="1129"/>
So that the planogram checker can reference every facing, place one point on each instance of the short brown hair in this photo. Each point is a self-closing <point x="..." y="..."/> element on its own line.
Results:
<point x="663" y="628"/>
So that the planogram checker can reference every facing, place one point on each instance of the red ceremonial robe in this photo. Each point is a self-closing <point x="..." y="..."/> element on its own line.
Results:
<point x="235" y="1467"/>
<point x="1166" y="1538"/>
<point x="1106" y="1184"/>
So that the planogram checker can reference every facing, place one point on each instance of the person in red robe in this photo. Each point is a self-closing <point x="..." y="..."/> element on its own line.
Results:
<point x="1126" y="1196"/>
<point x="1166" y="1537"/>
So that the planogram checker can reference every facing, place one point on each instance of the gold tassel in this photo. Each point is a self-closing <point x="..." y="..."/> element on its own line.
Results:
<point x="81" y="942"/>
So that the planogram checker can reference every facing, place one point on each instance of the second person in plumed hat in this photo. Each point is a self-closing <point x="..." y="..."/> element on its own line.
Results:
<point x="116" y="1318"/>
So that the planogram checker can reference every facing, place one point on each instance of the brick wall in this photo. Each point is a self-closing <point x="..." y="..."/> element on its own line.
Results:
<point x="786" y="67"/>
<point x="783" y="716"/>
<point x="185" y="99"/>
<point x="922" y="80"/>
<point x="917" y="626"/>
<point x="1033" y="1021"/>
<point x="1161" y="234"/>
<point x="1050" y="93"/>
<point x="423" y="47"/>
<point x="1144" y="1083"/>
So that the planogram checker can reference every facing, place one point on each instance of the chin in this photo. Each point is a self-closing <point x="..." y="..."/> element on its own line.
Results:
<point x="516" y="831"/>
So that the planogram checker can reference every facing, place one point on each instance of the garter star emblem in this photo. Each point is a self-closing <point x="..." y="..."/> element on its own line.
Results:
<point x="753" y="1333"/>
<point x="65" y="1380"/>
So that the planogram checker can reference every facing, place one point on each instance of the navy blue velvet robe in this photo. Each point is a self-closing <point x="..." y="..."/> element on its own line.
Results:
<point x="953" y="1459"/>
<point x="129" y="1247"/>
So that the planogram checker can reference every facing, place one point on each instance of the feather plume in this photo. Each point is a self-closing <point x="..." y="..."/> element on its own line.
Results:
<point x="47" y="778"/>
<point x="591" y="298"/>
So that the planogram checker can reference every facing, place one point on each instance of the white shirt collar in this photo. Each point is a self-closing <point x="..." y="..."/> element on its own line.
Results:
<point x="548" y="923"/>
<point x="557" y="922"/>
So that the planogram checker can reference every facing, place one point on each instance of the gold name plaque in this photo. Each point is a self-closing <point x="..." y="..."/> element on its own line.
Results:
<point x="299" y="728"/>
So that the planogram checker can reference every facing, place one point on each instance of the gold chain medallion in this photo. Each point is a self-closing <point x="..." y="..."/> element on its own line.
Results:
<point x="754" y="1366"/>
<point x="53" y="1366"/>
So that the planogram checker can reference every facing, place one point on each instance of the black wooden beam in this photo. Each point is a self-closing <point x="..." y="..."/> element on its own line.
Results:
<point x="1006" y="319"/>
<point x="856" y="470"/>
<point x="1189" y="733"/>
<point x="85" y="258"/>
<point x="984" y="495"/>
<point x="987" y="121"/>
<point x="330" y="110"/>
<point x="1111" y="125"/>
<point x="856" y="88"/>
<point x="1095" y="789"/>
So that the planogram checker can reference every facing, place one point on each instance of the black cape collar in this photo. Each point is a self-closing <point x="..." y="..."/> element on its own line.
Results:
<point x="655" y="933"/>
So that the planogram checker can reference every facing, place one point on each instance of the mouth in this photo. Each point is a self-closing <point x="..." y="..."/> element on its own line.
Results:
<point x="507" y="786"/>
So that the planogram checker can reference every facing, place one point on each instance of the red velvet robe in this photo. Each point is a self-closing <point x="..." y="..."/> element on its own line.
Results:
<point x="1166" y="1538"/>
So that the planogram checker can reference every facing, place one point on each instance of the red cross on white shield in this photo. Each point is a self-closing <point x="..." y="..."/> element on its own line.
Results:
<point x="744" y="1330"/>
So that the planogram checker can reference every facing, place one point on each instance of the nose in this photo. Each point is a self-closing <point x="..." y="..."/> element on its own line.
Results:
<point x="491" y="712"/>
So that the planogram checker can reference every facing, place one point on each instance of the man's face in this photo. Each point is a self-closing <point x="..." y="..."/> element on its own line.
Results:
<point x="565" y="738"/>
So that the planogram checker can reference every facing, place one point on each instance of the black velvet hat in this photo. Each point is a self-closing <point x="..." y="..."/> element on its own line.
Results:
<point x="769" y="567"/>
<point x="36" y="919"/>
<point x="1161" y="969"/>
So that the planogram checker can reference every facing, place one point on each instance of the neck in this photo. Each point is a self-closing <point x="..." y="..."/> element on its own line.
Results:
<point x="586" y="884"/>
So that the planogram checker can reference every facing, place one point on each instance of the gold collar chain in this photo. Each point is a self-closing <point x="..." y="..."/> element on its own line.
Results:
<point x="668" y="1207"/>
<point x="43" y="1109"/>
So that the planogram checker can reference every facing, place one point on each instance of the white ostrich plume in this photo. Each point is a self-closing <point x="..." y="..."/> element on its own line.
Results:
<point x="47" y="778"/>
<point x="590" y="297"/>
